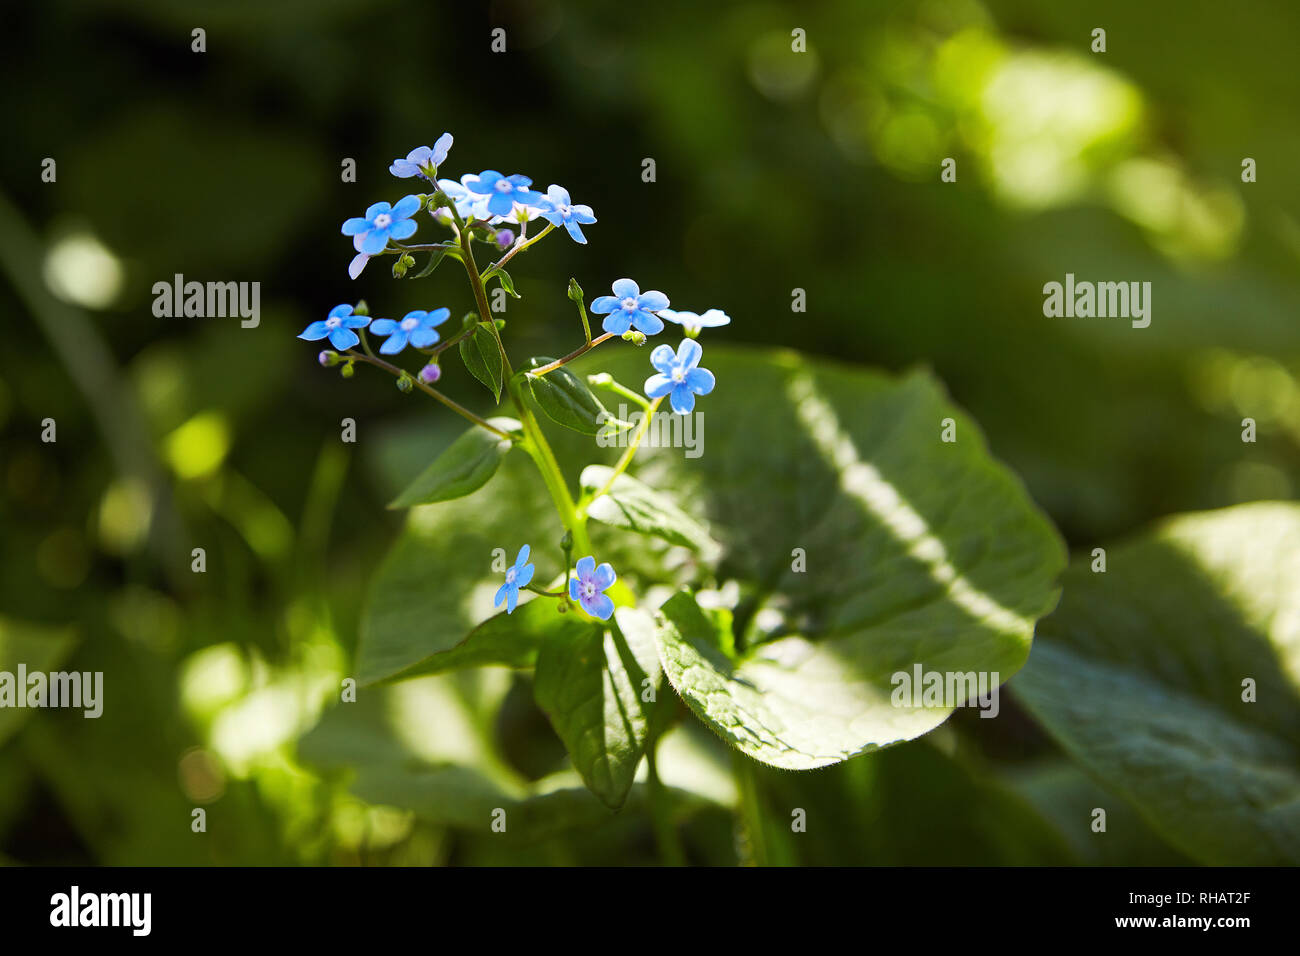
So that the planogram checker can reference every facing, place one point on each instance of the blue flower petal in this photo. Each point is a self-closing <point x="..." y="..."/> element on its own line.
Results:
<point x="314" y="332"/>
<point x="406" y="207"/>
<point x="500" y="204"/>
<point x="396" y="342"/>
<point x="573" y="589"/>
<point x="688" y="353"/>
<point x="662" y="358"/>
<point x="583" y="214"/>
<point x="683" y="400"/>
<point x="652" y="301"/>
<point x="501" y="595"/>
<point x="585" y="566"/>
<point x="373" y="242"/>
<point x="438" y="316"/>
<point x="522" y="557"/>
<point x="700" y="381"/>
<point x="511" y="599"/>
<point x="626" y="288"/>
<point x="376" y="208"/>
<point x="604" y="576"/>
<point x="383" y="326"/>
<point x="525" y="576"/>
<point x="657" y="386"/>
<point x="357" y="264"/>
<point x="402" y="229"/>
<point x="617" y="322"/>
<point x="647" y="322"/>
<point x="604" y="303"/>
<point x="343" y="339"/>
<point x="575" y="231"/>
<point x="486" y="182"/>
<point x="355" y="225"/>
<point x="423" y="338"/>
<point x="599" y="606"/>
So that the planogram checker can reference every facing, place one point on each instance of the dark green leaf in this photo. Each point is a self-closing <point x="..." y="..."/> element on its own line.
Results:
<point x="435" y="258"/>
<point x="463" y="468"/>
<point x="1139" y="675"/>
<point x="482" y="357"/>
<point x="597" y="686"/>
<point x="564" y="397"/>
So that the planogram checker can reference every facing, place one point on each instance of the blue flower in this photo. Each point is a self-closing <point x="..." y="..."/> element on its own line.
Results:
<point x="516" y="578"/>
<point x="337" y="327"/>
<point x="586" y="588"/>
<point x="415" y="327"/>
<point x="558" y="210"/>
<point x="678" y="375"/>
<point x="629" y="307"/>
<point x="370" y="233"/>
<point x="422" y="160"/>
<point x="467" y="204"/>
<point x="692" y="324"/>
<point x="503" y="191"/>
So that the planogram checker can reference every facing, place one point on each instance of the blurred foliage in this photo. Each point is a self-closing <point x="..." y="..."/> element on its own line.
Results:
<point x="775" y="171"/>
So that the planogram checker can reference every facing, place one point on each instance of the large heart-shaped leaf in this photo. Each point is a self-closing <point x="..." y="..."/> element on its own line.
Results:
<point x="837" y="506"/>
<point x="597" y="686"/>
<point x="482" y="356"/>
<point x="463" y="468"/>
<point x="1139" y="675"/>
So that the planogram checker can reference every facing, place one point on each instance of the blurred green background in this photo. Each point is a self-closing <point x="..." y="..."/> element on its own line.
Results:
<point x="775" y="171"/>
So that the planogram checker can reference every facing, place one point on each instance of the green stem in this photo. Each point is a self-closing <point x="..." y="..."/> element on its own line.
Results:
<point x="518" y="247"/>
<point x="618" y="388"/>
<point x="587" y="347"/>
<point x="480" y="298"/>
<point x="460" y="410"/>
<point x="627" y="456"/>
<point x="670" y="847"/>
<point x="751" y="812"/>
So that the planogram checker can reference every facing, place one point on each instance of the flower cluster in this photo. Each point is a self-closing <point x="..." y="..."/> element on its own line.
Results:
<point x="495" y="210"/>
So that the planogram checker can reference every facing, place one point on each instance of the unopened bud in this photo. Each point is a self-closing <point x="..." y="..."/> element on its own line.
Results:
<point x="505" y="238"/>
<point x="566" y="543"/>
<point x="361" y="308"/>
<point x="635" y="337"/>
<point x="430" y="373"/>
<point x="575" y="290"/>
<point x="347" y="371"/>
<point x="328" y="359"/>
<point x="405" y="383"/>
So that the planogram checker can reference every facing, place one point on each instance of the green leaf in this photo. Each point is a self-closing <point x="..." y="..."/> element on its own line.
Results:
<point x="435" y="259"/>
<point x="507" y="283"/>
<point x="482" y="357"/>
<point x="1139" y="676"/>
<point x="511" y="640"/>
<point x="591" y="684"/>
<point x="564" y="397"/>
<point x="634" y="506"/>
<point x="463" y="468"/>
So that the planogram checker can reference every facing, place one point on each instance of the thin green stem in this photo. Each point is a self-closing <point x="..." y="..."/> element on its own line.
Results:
<point x="480" y="298"/>
<point x="628" y="454"/>
<point x="572" y="355"/>
<point x="428" y="390"/>
<point x="536" y="590"/>
<point x="754" y="846"/>
<point x="618" y="388"/>
<point x="517" y="248"/>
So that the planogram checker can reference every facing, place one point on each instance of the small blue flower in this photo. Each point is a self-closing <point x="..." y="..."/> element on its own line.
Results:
<point x="370" y="233"/>
<point x="422" y="160"/>
<point x="586" y="588"/>
<point x="678" y="375"/>
<point x="337" y="327"/>
<point x="557" y="209"/>
<point x="467" y="203"/>
<point x="516" y="577"/>
<point x="503" y="191"/>
<point x="415" y="327"/>
<point x="692" y="324"/>
<point x="629" y="307"/>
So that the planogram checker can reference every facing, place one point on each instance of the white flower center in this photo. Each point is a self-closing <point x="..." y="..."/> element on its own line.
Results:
<point x="679" y="374"/>
<point x="409" y="324"/>
<point x="628" y="304"/>
<point x="511" y="574"/>
<point x="383" y="220"/>
<point x="504" y="185"/>
<point x="563" y="209"/>
<point x="333" y="322"/>
<point x="588" y="589"/>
